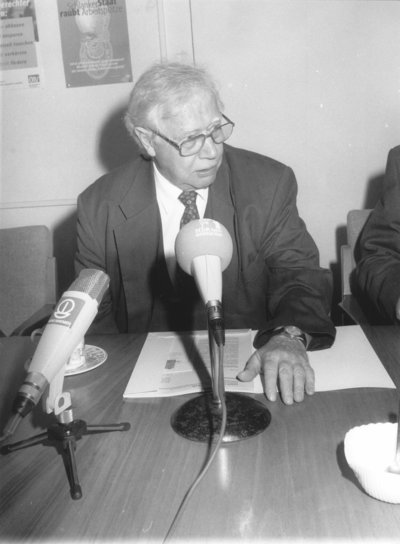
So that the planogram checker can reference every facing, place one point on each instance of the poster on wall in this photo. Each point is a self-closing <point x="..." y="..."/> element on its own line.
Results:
<point x="20" y="64"/>
<point x="95" y="42"/>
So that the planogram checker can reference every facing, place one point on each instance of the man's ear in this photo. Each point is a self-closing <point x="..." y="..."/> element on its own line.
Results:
<point x="146" y="139"/>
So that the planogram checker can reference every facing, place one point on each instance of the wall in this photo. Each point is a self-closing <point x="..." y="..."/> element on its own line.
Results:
<point x="315" y="84"/>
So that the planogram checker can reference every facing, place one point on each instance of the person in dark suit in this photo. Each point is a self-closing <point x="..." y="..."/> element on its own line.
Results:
<point x="128" y="221"/>
<point x="378" y="266"/>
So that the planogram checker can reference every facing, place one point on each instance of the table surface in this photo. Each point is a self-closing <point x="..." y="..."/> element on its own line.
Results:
<point x="290" y="482"/>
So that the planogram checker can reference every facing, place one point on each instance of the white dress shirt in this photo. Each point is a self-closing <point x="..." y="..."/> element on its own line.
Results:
<point x="171" y="211"/>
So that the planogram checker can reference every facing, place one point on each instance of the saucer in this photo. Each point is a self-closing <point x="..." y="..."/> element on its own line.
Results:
<point x="94" y="357"/>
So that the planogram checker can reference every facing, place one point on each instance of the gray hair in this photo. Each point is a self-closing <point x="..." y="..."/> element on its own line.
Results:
<point x="163" y="86"/>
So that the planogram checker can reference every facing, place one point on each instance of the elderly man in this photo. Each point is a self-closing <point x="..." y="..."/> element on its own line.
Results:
<point x="128" y="221"/>
<point x="378" y="268"/>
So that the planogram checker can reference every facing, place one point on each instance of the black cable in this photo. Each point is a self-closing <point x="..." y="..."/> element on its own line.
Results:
<point x="202" y="473"/>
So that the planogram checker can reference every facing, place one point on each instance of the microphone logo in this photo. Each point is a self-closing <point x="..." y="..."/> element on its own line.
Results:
<point x="209" y="228"/>
<point x="66" y="312"/>
<point x="64" y="309"/>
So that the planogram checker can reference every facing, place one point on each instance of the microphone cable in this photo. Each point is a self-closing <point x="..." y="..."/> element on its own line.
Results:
<point x="204" y="470"/>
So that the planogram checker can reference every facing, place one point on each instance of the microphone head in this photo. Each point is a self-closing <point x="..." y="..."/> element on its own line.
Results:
<point x="92" y="282"/>
<point x="203" y="237"/>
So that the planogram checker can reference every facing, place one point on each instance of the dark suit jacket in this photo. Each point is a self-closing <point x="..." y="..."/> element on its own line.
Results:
<point x="378" y="268"/>
<point x="273" y="279"/>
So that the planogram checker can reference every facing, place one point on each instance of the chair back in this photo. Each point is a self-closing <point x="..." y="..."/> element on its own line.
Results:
<point x="27" y="274"/>
<point x="356" y="220"/>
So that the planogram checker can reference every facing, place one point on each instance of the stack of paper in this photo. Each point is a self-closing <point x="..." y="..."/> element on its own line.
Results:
<point x="175" y="364"/>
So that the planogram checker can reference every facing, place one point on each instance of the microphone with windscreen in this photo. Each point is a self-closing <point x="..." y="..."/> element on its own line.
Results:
<point x="67" y="325"/>
<point x="203" y="249"/>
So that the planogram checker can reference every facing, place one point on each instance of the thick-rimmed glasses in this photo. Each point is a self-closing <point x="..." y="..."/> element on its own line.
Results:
<point x="193" y="144"/>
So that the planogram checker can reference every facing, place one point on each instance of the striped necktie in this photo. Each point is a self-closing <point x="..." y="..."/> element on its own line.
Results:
<point x="188" y="199"/>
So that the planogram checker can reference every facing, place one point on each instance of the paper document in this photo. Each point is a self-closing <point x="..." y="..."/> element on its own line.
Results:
<point x="173" y="364"/>
<point x="350" y="362"/>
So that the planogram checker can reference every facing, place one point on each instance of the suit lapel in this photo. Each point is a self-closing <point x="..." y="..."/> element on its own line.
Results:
<point x="138" y="239"/>
<point x="220" y="206"/>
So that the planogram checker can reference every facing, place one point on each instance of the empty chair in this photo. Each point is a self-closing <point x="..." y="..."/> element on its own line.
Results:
<point x="356" y="220"/>
<point x="28" y="287"/>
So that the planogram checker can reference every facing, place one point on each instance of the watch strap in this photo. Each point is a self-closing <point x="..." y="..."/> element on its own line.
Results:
<point x="293" y="332"/>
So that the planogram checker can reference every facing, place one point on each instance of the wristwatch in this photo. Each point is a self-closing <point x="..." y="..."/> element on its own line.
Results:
<point x="291" y="331"/>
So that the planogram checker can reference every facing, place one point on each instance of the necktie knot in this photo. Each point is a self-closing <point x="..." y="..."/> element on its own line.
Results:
<point x="188" y="199"/>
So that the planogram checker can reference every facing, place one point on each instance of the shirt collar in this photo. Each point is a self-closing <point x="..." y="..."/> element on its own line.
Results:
<point x="167" y="192"/>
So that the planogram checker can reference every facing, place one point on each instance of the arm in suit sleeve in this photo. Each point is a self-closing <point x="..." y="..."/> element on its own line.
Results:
<point x="378" y="267"/>
<point x="91" y="253"/>
<point x="299" y="290"/>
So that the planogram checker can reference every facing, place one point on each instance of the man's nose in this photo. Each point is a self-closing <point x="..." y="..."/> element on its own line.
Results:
<point x="209" y="149"/>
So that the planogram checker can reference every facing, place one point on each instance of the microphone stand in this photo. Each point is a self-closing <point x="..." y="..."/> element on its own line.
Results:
<point x="65" y="434"/>
<point x="217" y="369"/>
<point x="216" y="342"/>
<point x="199" y="419"/>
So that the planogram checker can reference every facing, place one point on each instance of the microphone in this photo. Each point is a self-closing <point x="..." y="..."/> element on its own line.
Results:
<point x="66" y="327"/>
<point x="203" y="249"/>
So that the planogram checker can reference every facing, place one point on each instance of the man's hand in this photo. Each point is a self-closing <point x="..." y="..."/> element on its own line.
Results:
<point x="282" y="362"/>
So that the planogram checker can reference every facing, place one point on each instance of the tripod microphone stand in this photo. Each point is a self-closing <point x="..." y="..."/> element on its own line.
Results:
<point x="65" y="434"/>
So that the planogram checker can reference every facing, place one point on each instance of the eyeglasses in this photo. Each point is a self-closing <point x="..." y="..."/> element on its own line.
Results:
<point x="193" y="144"/>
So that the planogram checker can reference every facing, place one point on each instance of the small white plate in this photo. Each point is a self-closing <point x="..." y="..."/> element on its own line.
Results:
<point x="94" y="357"/>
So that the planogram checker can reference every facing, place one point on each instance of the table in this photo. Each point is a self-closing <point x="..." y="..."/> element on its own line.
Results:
<point x="291" y="482"/>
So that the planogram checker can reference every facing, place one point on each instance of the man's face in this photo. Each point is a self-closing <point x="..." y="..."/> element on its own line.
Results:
<point x="196" y="171"/>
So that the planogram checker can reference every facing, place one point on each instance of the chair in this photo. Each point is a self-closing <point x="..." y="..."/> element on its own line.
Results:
<point x="356" y="220"/>
<point x="28" y="286"/>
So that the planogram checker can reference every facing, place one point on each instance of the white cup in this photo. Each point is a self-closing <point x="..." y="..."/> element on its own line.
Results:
<point x="77" y="358"/>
